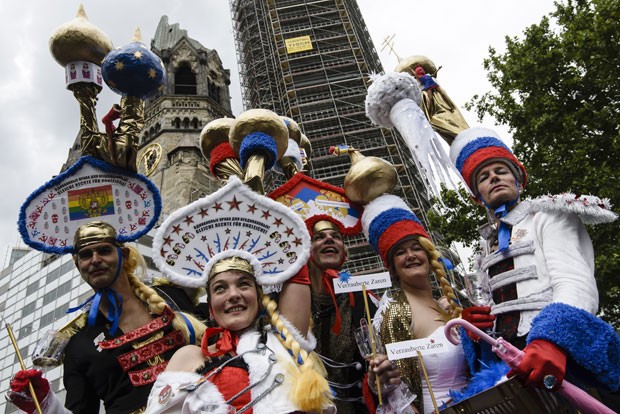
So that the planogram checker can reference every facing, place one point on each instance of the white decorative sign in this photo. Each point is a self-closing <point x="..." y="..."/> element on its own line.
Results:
<point x="409" y="349"/>
<point x="372" y="281"/>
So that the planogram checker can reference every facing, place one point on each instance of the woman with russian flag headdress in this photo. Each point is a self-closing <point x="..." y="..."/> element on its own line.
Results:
<point x="540" y="260"/>
<point x="409" y="310"/>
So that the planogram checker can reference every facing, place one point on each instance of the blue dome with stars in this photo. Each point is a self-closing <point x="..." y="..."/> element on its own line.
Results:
<point x="133" y="70"/>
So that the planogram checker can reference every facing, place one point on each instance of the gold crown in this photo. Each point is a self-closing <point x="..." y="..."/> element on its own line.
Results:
<point x="94" y="232"/>
<point x="324" y="225"/>
<point x="231" y="263"/>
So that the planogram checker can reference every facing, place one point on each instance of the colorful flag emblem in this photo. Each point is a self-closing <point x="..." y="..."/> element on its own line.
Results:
<point x="91" y="202"/>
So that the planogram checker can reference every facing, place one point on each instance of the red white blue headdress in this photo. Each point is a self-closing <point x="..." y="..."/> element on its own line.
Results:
<point x="476" y="147"/>
<point x="386" y="221"/>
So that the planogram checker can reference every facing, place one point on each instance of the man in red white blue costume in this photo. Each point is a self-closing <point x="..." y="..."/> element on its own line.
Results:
<point x="540" y="260"/>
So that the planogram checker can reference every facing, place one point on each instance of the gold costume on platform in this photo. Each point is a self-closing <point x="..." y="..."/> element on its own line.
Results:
<point x="443" y="115"/>
<point x="120" y="149"/>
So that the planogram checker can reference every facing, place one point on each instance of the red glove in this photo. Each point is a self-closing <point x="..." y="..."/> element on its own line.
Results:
<point x="480" y="317"/>
<point x="20" y="391"/>
<point x="542" y="358"/>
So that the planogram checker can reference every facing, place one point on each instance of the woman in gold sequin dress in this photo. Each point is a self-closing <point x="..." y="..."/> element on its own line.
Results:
<point x="409" y="311"/>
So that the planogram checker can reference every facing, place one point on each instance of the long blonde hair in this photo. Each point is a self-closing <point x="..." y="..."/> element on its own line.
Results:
<point x="439" y="270"/>
<point x="135" y="265"/>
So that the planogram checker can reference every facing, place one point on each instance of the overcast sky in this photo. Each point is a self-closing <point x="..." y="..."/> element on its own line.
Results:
<point x="39" y="118"/>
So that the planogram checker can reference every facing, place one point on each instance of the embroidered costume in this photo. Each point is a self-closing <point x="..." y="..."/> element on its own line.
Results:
<point x="131" y="362"/>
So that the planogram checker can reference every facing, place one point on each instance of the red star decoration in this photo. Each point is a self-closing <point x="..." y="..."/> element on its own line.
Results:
<point x="267" y="243"/>
<point x="203" y="238"/>
<point x="251" y="208"/>
<point x="289" y="231"/>
<point x="218" y="206"/>
<point x="163" y="252"/>
<point x="168" y="241"/>
<point x="266" y="214"/>
<point x="278" y="222"/>
<point x="188" y="220"/>
<point x="176" y="229"/>
<point x="432" y="341"/>
<point x="234" y="204"/>
<point x="203" y="212"/>
<point x="297" y="241"/>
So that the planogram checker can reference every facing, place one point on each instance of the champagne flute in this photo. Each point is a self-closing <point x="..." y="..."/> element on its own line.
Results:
<point x="364" y="341"/>
<point x="478" y="287"/>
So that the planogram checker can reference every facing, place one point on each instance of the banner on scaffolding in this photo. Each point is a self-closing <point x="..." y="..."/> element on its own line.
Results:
<point x="298" y="44"/>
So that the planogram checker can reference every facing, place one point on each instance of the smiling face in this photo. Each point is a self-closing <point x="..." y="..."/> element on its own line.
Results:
<point x="234" y="299"/>
<point x="496" y="184"/>
<point x="98" y="264"/>
<point x="410" y="264"/>
<point x="328" y="250"/>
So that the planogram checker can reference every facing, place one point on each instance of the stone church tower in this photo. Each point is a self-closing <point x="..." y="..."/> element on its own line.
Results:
<point x="195" y="93"/>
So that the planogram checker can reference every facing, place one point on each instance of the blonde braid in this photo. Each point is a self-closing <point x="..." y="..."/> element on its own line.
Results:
<point x="310" y="390"/>
<point x="156" y="304"/>
<point x="438" y="268"/>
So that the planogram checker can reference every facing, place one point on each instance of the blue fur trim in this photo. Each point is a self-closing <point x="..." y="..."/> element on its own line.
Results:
<point x="482" y="380"/>
<point x="477" y="355"/>
<point x="475" y="145"/>
<point x="384" y="220"/>
<point x="589" y="341"/>
<point x="258" y="143"/>
<point x="102" y="165"/>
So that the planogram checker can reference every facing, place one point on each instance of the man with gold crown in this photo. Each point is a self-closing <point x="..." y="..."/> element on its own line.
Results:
<point x="127" y="333"/>
<point x="330" y="216"/>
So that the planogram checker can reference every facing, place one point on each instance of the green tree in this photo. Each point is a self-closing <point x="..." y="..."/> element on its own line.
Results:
<point x="558" y="90"/>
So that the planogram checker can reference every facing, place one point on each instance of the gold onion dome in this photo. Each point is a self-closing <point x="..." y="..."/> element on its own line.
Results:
<point x="214" y="134"/>
<point x="368" y="177"/>
<point x="79" y="40"/>
<point x="250" y="124"/>
<point x="409" y="64"/>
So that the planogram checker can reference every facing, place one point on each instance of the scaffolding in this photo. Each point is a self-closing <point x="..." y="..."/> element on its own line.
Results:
<point x="322" y="86"/>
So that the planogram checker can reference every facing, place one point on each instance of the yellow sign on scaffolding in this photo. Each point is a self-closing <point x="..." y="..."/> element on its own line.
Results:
<point x="298" y="44"/>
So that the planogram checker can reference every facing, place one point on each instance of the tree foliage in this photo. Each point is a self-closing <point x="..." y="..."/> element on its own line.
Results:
<point x="558" y="90"/>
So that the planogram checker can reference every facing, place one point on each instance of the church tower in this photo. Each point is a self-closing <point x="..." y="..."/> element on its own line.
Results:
<point x="195" y="93"/>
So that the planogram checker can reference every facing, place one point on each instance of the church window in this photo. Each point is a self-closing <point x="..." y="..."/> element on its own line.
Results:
<point x="184" y="80"/>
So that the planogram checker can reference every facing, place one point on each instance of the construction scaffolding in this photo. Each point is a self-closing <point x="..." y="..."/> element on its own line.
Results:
<point x="311" y="61"/>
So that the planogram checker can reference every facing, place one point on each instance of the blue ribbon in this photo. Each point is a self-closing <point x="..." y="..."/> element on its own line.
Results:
<point x="190" y="328"/>
<point x="503" y="232"/>
<point x="447" y="263"/>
